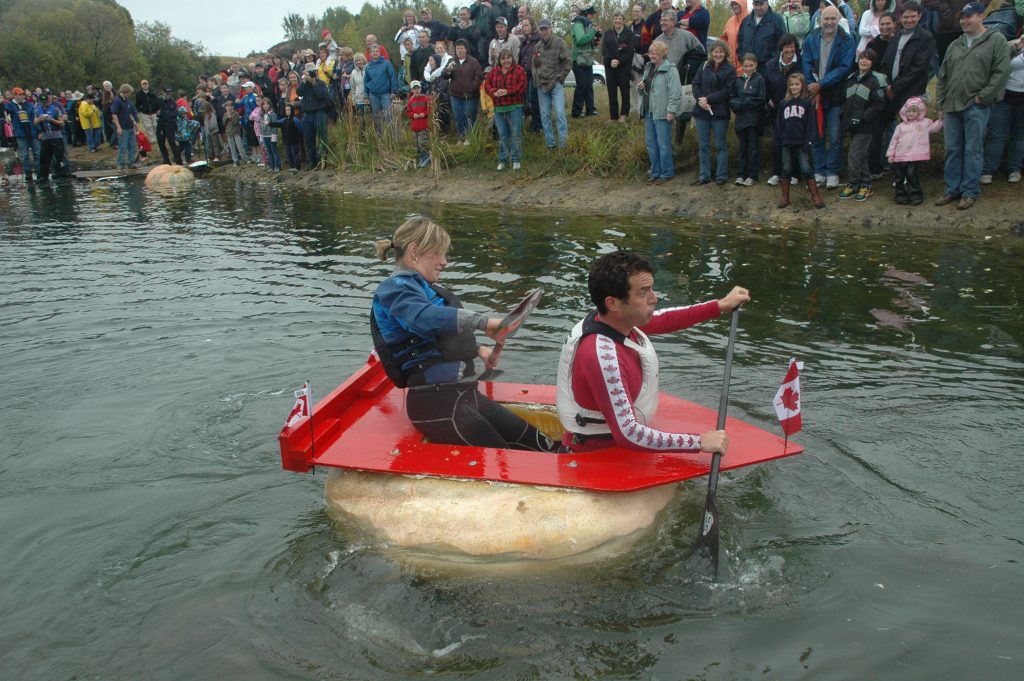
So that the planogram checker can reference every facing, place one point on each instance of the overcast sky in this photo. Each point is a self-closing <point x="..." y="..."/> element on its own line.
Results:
<point x="230" y="29"/>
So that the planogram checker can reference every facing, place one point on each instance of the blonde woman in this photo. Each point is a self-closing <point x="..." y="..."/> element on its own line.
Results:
<point x="427" y="342"/>
<point x="660" y="102"/>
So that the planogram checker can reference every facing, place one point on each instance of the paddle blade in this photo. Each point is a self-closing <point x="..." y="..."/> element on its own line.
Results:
<point x="514" y="319"/>
<point x="707" y="543"/>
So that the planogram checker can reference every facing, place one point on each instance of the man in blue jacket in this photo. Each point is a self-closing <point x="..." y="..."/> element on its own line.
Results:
<point x="21" y="113"/>
<point x="50" y="118"/>
<point x="828" y="58"/>
<point x="760" y="33"/>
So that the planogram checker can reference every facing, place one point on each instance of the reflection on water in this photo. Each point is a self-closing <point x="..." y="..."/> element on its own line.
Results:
<point x="150" y="345"/>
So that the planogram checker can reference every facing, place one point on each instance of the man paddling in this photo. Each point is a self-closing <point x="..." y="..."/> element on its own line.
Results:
<point x="608" y="370"/>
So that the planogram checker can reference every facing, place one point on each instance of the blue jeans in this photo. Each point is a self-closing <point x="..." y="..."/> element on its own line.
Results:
<point x="720" y="127"/>
<point x="548" y="101"/>
<point x="964" y="133"/>
<point x="127" y="147"/>
<point x="465" y="114"/>
<point x="28" y="146"/>
<point x="380" y="106"/>
<point x="510" y="134"/>
<point x="92" y="138"/>
<point x="659" y="147"/>
<point x="1005" y="133"/>
<point x="273" y="157"/>
<point x="831" y="161"/>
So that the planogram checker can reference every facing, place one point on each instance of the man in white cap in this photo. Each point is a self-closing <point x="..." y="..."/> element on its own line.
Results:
<point x="502" y="40"/>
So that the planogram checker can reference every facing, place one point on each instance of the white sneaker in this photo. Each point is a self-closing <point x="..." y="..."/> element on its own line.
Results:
<point x="1013" y="177"/>
<point x="749" y="182"/>
<point x="465" y="143"/>
<point x="739" y="181"/>
<point x="820" y="179"/>
<point x="985" y="179"/>
<point x="516" y="166"/>
<point x="832" y="182"/>
<point x="794" y="180"/>
<point x="773" y="181"/>
<point x="501" y="166"/>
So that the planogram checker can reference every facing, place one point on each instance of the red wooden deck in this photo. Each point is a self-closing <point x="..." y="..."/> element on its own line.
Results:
<point x="362" y="425"/>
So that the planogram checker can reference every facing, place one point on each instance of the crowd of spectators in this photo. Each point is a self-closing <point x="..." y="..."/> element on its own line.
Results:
<point x="836" y="91"/>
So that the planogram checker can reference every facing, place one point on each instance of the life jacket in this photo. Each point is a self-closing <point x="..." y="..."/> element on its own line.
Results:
<point x="583" y="421"/>
<point x="405" y="361"/>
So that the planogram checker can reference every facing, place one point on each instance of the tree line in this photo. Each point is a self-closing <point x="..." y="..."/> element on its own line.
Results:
<point x="67" y="44"/>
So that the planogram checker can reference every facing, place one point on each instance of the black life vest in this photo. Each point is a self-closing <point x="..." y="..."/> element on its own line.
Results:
<point x="457" y="347"/>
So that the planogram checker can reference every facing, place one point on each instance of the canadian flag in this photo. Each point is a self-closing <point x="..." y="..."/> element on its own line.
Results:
<point x="787" y="399"/>
<point x="303" y="398"/>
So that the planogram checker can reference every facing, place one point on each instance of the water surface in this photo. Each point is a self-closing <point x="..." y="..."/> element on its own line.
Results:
<point x="149" y="346"/>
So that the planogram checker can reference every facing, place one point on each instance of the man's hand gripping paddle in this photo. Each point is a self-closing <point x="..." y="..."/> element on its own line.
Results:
<point x="508" y="327"/>
<point x="707" y="541"/>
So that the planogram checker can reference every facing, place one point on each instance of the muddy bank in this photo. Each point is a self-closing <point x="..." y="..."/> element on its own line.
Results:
<point x="999" y="211"/>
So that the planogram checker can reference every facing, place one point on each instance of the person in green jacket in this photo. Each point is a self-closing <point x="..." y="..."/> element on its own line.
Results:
<point x="585" y="35"/>
<point x="661" y="101"/>
<point x="971" y="79"/>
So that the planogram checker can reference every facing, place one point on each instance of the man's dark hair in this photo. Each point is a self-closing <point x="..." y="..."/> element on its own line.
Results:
<point x="609" y="276"/>
<point x="912" y="5"/>
<point x="463" y="42"/>
<point x="789" y="39"/>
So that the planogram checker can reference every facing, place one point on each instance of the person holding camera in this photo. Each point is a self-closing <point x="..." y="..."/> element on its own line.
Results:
<point x="585" y="34"/>
<point x="316" y="100"/>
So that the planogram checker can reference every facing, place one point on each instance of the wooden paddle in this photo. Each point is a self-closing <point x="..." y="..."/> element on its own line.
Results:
<point x="508" y="327"/>
<point x="707" y="540"/>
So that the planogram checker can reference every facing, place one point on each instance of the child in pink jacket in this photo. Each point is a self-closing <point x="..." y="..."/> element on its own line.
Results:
<point x="909" y="146"/>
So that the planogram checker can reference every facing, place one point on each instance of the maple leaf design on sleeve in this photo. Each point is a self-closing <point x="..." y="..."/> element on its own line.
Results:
<point x="629" y="423"/>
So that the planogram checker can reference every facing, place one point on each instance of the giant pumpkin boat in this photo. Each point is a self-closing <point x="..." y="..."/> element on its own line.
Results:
<point x="483" y="503"/>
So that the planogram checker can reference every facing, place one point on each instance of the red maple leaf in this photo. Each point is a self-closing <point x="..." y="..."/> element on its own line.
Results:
<point x="790" y="399"/>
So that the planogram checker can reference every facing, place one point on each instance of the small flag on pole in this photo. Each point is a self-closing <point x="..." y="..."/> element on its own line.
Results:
<point x="302" y="409"/>
<point x="787" y="399"/>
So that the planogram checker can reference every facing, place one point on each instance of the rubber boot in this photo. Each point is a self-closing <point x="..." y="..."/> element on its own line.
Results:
<point x="812" y="187"/>
<point x="784" y="186"/>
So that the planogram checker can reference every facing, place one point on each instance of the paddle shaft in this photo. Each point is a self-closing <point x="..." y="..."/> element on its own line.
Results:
<point x="708" y="539"/>
<point x="723" y="402"/>
<point x="489" y="370"/>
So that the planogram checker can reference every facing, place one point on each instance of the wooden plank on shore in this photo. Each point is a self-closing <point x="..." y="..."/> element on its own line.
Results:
<point x="108" y="173"/>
